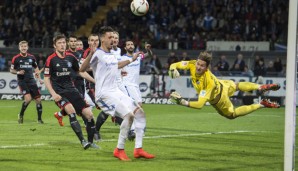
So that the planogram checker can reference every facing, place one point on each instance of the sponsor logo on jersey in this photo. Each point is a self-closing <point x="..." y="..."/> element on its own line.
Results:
<point x="46" y="71"/>
<point x="57" y="65"/>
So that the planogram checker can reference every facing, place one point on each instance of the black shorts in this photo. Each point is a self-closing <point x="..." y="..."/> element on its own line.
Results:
<point x="79" y="84"/>
<point x="74" y="98"/>
<point x="29" y="88"/>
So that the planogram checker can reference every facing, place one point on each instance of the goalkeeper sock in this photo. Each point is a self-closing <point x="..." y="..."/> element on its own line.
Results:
<point x="101" y="118"/>
<point x="24" y="107"/>
<point x="90" y="130"/>
<point x="244" y="110"/>
<point x="76" y="127"/>
<point x="248" y="86"/>
<point x="39" y="111"/>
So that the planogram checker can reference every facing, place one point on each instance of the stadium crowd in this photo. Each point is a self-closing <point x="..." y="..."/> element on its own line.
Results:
<point x="193" y="22"/>
<point x="189" y="23"/>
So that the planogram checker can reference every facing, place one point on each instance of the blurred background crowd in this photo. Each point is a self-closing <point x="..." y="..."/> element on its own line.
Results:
<point x="189" y="23"/>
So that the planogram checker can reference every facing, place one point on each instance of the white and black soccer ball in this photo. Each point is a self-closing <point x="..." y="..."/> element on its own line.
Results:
<point x="139" y="7"/>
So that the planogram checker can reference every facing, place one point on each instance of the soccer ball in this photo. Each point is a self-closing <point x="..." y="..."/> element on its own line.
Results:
<point x="139" y="7"/>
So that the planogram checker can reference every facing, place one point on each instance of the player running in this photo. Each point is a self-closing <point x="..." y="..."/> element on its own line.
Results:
<point x="215" y="91"/>
<point x="58" y="81"/>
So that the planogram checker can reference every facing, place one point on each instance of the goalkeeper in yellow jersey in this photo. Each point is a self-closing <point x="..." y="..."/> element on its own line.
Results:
<point x="215" y="91"/>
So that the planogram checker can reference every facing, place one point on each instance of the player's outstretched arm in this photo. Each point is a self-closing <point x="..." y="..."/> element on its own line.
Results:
<point x="177" y="99"/>
<point x="122" y="64"/>
<point x="87" y="76"/>
<point x="86" y="64"/>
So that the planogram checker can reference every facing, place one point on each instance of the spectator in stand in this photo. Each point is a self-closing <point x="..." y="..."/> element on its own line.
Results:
<point x="270" y="70"/>
<point x="172" y="59"/>
<point x="2" y="62"/>
<point x="260" y="69"/>
<point x="247" y="72"/>
<point x="278" y="65"/>
<point x="223" y="65"/>
<point x="238" y="65"/>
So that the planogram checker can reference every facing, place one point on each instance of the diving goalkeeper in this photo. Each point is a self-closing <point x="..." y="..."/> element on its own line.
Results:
<point x="215" y="91"/>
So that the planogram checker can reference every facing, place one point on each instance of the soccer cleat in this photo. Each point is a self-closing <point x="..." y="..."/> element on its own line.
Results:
<point x="20" y="119"/>
<point x="85" y="144"/>
<point x="140" y="153"/>
<point x="93" y="145"/>
<point x="121" y="155"/>
<point x="97" y="137"/>
<point x="40" y="121"/>
<point x="267" y="103"/>
<point x="267" y="87"/>
<point x="131" y="135"/>
<point x="59" y="118"/>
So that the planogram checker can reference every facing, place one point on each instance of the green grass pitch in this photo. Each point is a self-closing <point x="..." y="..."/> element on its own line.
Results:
<point x="181" y="138"/>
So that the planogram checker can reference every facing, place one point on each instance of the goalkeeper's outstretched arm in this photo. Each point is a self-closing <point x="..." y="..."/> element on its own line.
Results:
<point x="176" y="98"/>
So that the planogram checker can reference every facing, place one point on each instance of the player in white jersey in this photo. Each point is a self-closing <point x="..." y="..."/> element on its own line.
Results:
<point x="102" y="117"/>
<point x="110" y="99"/>
<point x="131" y="81"/>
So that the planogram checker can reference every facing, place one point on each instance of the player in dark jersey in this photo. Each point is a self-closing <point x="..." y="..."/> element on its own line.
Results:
<point x="22" y="64"/>
<point x="92" y="39"/>
<point x="59" y="83"/>
<point x="77" y="79"/>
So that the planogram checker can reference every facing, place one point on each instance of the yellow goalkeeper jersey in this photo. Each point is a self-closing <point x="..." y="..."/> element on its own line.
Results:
<point x="206" y="85"/>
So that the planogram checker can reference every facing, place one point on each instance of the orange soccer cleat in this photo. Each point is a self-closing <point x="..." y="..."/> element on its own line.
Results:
<point x="267" y="87"/>
<point x="121" y="155"/>
<point x="267" y="103"/>
<point x="140" y="153"/>
<point x="59" y="118"/>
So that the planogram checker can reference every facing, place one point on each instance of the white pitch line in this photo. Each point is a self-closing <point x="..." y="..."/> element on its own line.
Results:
<point x="20" y="146"/>
<point x="189" y="135"/>
<point x="149" y="137"/>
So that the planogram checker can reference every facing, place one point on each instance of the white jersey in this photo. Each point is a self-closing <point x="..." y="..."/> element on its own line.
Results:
<point x="105" y="70"/>
<point x="133" y="71"/>
<point x="117" y="54"/>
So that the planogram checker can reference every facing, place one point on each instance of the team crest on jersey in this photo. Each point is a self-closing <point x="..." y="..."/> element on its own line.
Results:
<point x="184" y="63"/>
<point x="69" y="64"/>
<point x="203" y="93"/>
<point x="46" y="71"/>
<point x="198" y="82"/>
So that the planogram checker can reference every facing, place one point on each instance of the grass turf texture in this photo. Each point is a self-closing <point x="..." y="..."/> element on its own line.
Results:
<point x="181" y="138"/>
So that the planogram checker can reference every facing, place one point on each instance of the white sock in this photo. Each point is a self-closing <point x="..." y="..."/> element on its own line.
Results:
<point x="59" y="114"/>
<point x="140" y="124"/>
<point x="124" y="128"/>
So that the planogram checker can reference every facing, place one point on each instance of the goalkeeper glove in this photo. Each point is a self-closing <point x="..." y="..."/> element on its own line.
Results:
<point x="176" y="98"/>
<point x="173" y="73"/>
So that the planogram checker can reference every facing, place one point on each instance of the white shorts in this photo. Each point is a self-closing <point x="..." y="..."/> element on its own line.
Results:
<point x="89" y="100"/>
<point x="134" y="93"/>
<point x="116" y="103"/>
<point x="121" y="87"/>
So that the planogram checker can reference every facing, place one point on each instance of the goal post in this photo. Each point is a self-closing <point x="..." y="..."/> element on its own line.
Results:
<point x="291" y="77"/>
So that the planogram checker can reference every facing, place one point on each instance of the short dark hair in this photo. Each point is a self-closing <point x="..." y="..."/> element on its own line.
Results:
<point x="104" y="29"/>
<point x="57" y="37"/>
<point x="72" y="36"/>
